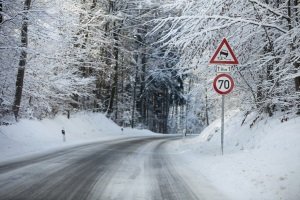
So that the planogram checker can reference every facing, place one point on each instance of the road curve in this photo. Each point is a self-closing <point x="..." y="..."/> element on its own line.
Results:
<point x="125" y="169"/>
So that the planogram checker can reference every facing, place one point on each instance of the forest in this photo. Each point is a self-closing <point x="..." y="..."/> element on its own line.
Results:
<point x="144" y="63"/>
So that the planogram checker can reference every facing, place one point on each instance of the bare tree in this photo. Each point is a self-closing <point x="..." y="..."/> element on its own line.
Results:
<point x="23" y="59"/>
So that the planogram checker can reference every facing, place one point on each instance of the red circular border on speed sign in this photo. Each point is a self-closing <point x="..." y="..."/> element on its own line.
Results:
<point x="223" y="84"/>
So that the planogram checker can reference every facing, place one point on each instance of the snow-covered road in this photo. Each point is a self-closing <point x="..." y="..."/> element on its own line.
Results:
<point x="137" y="168"/>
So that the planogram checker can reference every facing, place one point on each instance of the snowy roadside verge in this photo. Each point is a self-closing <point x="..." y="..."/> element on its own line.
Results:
<point x="29" y="137"/>
<point x="258" y="163"/>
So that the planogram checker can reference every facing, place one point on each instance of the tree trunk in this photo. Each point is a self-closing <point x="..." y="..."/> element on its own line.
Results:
<point x="22" y="62"/>
<point x="116" y="74"/>
<point x="134" y="97"/>
<point x="142" y="90"/>
<point x="94" y="3"/>
<point x="206" y="106"/>
<point x="177" y="116"/>
<point x="297" y="63"/>
<point x="167" y="101"/>
<point x="296" y="3"/>
<point x="297" y="80"/>
<point x="289" y="20"/>
<point x="1" y="10"/>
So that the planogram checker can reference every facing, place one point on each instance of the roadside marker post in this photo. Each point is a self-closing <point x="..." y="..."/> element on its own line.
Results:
<point x="223" y="83"/>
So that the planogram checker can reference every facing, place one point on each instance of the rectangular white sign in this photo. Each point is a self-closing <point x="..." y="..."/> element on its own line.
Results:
<point x="224" y="69"/>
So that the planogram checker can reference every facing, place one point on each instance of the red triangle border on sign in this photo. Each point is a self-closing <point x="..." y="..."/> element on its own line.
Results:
<point x="225" y="62"/>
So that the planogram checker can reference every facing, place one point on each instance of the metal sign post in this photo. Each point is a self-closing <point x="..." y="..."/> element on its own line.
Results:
<point x="222" y="124"/>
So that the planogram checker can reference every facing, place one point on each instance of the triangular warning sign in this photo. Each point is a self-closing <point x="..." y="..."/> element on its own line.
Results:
<point x="224" y="55"/>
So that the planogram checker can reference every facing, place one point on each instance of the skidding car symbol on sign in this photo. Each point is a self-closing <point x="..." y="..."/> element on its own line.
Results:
<point x="224" y="55"/>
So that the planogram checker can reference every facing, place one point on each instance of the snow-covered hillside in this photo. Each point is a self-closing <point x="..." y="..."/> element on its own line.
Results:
<point x="262" y="162"/>
<point x="34" y="136"/>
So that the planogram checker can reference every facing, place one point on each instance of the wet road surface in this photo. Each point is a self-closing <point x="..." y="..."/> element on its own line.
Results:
<point x="137" y="168"/>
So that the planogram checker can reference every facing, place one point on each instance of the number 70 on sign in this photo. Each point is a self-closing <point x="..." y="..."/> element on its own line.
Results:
<point x="223" y="84"/>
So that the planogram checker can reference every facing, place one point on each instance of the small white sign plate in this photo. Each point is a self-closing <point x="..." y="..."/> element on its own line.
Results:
<point x="224" y="69"/>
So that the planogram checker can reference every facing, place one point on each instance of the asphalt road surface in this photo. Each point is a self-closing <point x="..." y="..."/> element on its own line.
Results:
<point x="137" y="168"/>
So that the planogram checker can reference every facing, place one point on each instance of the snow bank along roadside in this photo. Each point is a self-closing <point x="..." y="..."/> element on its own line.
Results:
<point x="32" y="136"/>
<point x="258" y="163"/>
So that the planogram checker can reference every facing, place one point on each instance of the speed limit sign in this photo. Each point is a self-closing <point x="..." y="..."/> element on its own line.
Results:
<point x="223" y="84"/>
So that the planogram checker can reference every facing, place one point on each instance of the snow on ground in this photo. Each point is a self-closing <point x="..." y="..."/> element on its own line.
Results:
<point x="34" y="136"/>
<point x="262" y="162"/>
